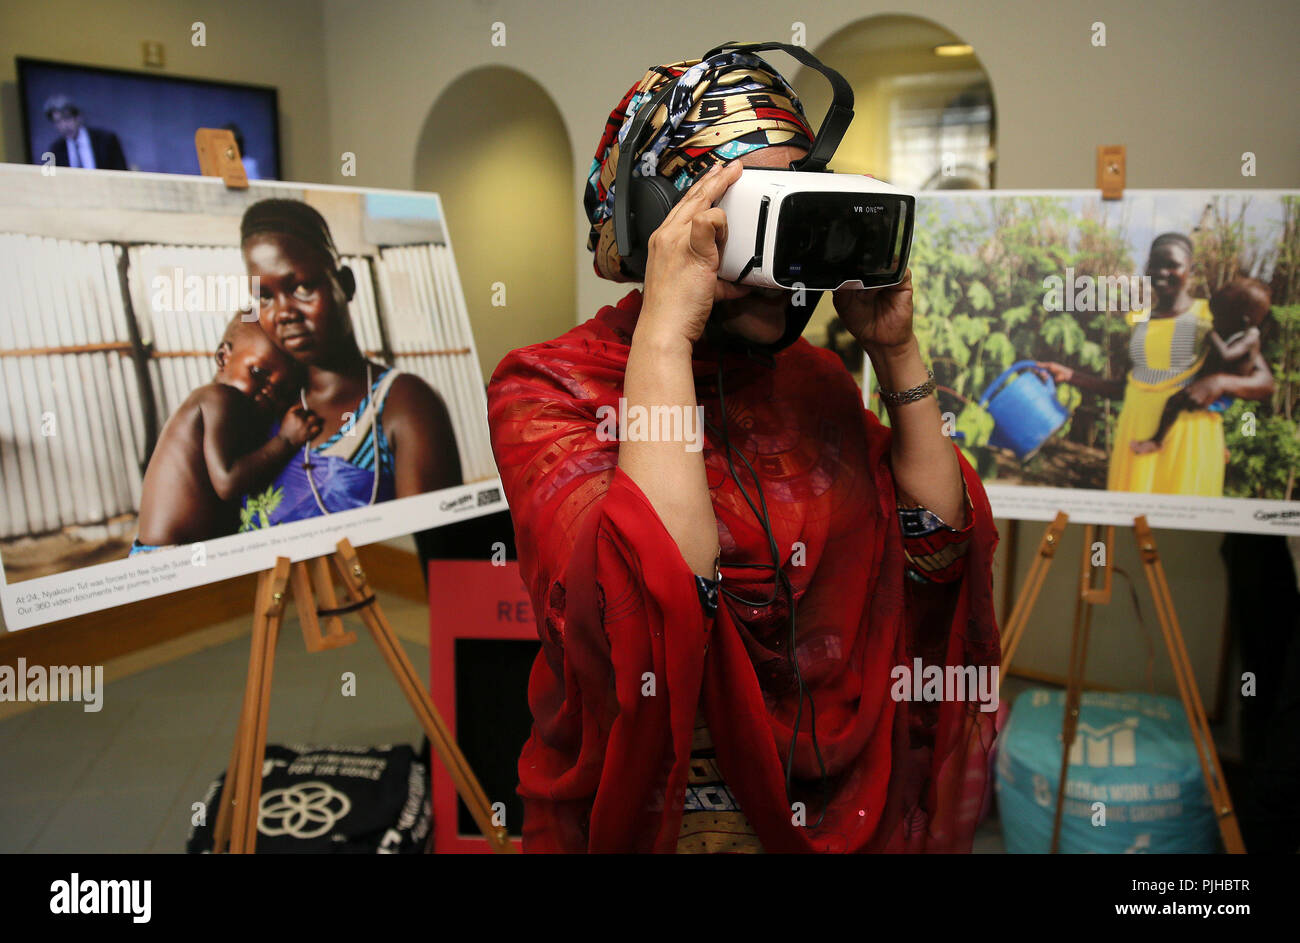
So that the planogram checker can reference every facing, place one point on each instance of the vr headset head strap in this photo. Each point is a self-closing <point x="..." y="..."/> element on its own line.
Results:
<point x="838" y="115"/>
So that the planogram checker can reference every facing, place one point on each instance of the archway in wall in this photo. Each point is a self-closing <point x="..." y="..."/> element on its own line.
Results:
<point x="924" y="117"/>
<point x="495" y="148"/>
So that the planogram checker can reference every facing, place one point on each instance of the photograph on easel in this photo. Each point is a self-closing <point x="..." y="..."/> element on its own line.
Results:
<point x="194" y="375"/>
<point x="1087" y="351"/>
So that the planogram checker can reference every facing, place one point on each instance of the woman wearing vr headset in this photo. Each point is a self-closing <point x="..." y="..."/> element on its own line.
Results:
<point x="725" y="630"/>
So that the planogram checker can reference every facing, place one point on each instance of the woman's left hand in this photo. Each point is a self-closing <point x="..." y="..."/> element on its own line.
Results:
<point x="879" y="318"/>
<point x="1204" y="390"/>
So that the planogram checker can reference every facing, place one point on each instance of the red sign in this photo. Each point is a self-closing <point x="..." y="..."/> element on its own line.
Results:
<point x="468" y="599"/>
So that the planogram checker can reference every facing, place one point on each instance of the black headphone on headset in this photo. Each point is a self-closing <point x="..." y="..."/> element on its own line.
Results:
<point x="642" y="203"/>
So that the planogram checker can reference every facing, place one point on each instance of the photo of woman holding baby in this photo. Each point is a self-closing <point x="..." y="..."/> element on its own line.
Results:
<point x="297" y="422"/>
<point x="1163" y="450"/>
<point x="383" y="434"/>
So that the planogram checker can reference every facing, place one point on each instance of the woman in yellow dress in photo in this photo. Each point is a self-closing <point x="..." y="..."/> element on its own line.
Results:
<point x="1166" y="350"/>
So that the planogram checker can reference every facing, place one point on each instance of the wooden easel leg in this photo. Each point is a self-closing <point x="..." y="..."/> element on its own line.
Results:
<point x="1074" y="679"/>
<point x="1211" y="769"/>
<point x="264" y="705"/>
<point x="234" y="773"/>
<point x="1014" y="628"/>
<point x="221" y="831"/>
<point x="467" y="784"/>
<point x="244" y="777"/>
<point x="230" y="822"/>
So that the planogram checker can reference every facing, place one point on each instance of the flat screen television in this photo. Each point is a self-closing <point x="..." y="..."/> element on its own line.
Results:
<point x="153" y="117"/>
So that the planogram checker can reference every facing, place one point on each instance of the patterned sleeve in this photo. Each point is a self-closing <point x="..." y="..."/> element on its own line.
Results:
<point x="935" y="552"/>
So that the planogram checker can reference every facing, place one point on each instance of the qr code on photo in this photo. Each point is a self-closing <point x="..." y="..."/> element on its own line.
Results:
<point x="491" y="496"/>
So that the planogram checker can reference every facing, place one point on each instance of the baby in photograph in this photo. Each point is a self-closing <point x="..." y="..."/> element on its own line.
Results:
<point x="1238" y="309"/>
<point x="214" y="448"/>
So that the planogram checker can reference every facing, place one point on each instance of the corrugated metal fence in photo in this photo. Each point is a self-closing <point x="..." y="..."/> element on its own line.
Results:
<point x="72" y="429"/>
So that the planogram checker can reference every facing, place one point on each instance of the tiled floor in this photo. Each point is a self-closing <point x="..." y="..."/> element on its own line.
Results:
<point x="124" y="779"/>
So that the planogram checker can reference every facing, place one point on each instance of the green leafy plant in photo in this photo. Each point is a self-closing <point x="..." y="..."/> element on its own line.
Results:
<point x="980" y="307"/>
<point x="257" y="510"/>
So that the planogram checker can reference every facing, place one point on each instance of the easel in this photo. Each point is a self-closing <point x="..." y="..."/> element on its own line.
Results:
<point x="1092" y="594"/>
<point x="236" y="826"/>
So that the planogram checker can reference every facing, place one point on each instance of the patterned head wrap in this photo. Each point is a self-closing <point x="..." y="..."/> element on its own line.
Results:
<point x="722" y="108"/>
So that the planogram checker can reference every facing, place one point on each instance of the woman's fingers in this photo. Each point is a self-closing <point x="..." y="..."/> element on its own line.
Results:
<point x="708" y="232"/>
<point x="1199" y="392"/>
<point x="1058" y="372"/>
<point x="705" y="224"/>
<point x="707" y="190"/>
<point x="683" y="257"/>
<point x="681" y="207"/>
<point x="712" y="185"/>
<point x="729" y="291"/>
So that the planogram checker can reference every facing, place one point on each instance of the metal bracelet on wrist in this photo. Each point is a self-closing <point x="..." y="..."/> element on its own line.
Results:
<point x="912" y="395"/>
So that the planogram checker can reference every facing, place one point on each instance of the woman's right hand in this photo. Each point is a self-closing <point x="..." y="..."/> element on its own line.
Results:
<point x="1204" y="390"/>
<point x="1058" y="371"/>
<point x="681" y="281"/>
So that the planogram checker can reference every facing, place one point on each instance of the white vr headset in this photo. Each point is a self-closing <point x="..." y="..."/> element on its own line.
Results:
<point x="802" y="228"/>
<point x="815" y="230"/>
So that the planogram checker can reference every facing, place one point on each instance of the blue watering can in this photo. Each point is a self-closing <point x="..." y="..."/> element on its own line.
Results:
<point x="1025" y="412"/>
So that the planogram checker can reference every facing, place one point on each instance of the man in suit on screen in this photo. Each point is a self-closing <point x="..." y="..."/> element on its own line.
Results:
<point x="78" y="145"/>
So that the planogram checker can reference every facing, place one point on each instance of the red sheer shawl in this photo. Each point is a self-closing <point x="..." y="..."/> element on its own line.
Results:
<point x="628" y="655"/>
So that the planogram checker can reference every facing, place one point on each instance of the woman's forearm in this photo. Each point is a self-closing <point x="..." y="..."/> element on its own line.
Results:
<point x="924" y="462"/>
<point x="1110" y="388"/>
<point x="1259" y="384"/>
<point x="669" y="473"/>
